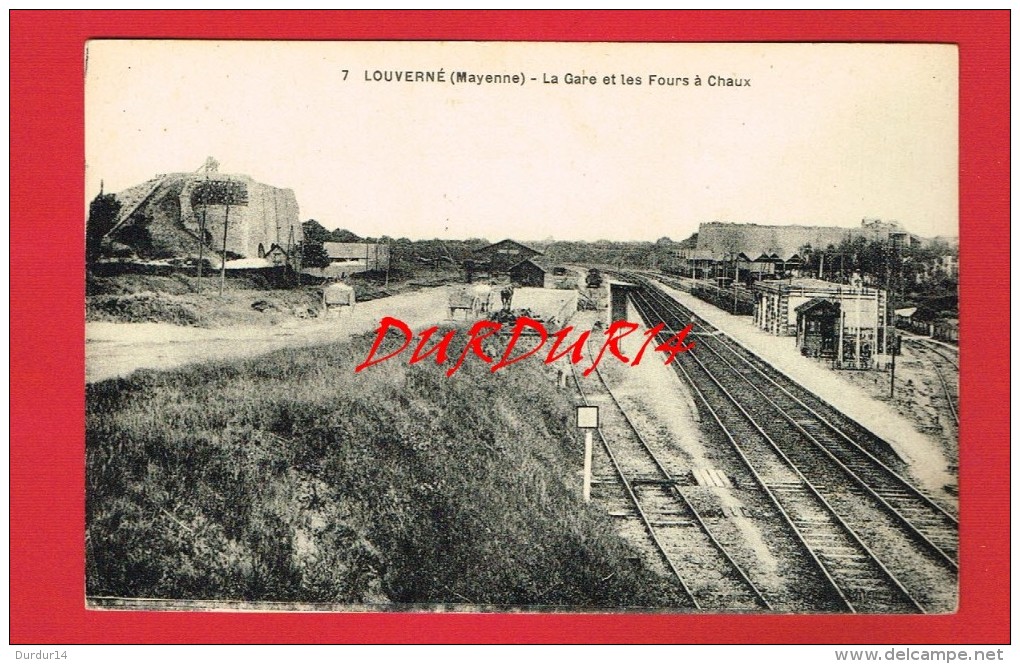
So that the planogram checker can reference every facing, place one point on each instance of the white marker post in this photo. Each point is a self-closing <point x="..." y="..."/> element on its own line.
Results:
<point x="587" y="419"/>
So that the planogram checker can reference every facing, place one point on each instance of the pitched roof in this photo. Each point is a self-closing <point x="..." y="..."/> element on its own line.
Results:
<point x="509" y="244"/>
<point x="816" y="303"/>
<point x="545" y="266"/>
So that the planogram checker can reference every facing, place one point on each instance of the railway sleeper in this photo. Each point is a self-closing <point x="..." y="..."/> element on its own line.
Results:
<point x="651" y="481"/>
<point x="670" y="523"/>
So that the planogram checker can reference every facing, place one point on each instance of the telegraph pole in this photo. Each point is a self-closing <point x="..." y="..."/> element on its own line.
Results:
<point x="892" y="374"/>
<point x="736" y="275"/>
<point x="230" y="193"/>
<point x="223" y="261"/>
<point x="201" y="245"/>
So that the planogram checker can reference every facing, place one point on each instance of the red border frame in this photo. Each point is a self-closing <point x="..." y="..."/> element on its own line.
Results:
<point x="47" y="326"/>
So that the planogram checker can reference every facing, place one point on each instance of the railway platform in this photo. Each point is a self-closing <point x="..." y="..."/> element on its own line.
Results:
<point x="924" y="456"/>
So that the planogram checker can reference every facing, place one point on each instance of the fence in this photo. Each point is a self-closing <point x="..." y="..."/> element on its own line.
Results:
<point x="943" y="330"/>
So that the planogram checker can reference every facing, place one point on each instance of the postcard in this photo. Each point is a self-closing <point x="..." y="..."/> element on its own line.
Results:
<point x="522" y="327"/>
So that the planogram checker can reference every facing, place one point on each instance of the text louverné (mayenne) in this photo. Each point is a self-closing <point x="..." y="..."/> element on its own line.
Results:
<point x="527" y="332"/>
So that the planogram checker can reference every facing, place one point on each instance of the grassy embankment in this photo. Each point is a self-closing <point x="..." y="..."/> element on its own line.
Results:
<point x="177" y="299"/>
<point x="292" y="478"/>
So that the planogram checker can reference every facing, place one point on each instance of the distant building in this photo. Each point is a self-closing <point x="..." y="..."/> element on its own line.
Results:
<point x="702" y="264"/>
<point x="277" y="255"/>
<point x="351" y="257"/>
<point x="528" y="273"/>
<point x="694" y="263"/>
<point x="503" y="255"/>
<point x="724" y="240"/>
<point x="171" y="214"/>
<point x="949" y="265"/>
<point x="540" y="273"/>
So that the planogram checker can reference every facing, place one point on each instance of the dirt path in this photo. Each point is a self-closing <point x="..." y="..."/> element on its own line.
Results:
<point x="117" y="349"/>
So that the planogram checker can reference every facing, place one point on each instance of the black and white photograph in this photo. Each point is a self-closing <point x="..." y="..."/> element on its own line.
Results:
<point x="521" y="327"/>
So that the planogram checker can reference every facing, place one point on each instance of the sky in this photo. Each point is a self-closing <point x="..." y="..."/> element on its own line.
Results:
<point x="825" y="134"/>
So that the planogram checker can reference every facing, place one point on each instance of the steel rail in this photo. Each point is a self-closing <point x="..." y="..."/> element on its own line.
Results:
<point x="876" y="471"/>
<point x="634" y="499"/>
<point x="928" y="344"/>
<point x="949" y="397"/>
<point x="675" y="489"/>
<point x="855" y="476"/>
<point x="680" y="370"/>
<point x="951" y="400"/>
<point x="669" y="302"/>
<point x="648" y="312"/>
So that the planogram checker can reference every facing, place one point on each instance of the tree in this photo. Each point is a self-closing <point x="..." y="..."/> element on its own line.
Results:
<point x="103" y="211"/>
<point x="313" y="253"/>
<point x="313" y="231"/>
<point x="343" y="235"/>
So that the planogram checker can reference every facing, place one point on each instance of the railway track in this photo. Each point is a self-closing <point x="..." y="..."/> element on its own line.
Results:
<point x="636" y="485"/>
<point x="862" y="436"/>
<point x="886" y="546"/>
<point x="947" y="370"/>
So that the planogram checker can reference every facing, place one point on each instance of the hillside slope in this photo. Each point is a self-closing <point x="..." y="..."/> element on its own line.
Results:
<point x="292" y="478"/>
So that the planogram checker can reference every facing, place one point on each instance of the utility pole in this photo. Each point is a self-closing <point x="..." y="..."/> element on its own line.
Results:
<point x="892" y="374"/>
<point x="228" y="193"/>
<point x="293" y="259"/>
<point x="842" y="324"/>
<point x="200" y="197"/>
<point x="223" y="260"/>
<point x="733" y="257"/>
<point x="201" y="245"/>
<point x="857" y="322"/>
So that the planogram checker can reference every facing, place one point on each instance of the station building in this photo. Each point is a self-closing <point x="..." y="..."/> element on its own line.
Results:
<point x="847" y="323"/>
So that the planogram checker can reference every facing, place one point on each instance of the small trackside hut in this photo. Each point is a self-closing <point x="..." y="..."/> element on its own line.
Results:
<point x="792" y="307"/>
<point x="818" y="328"/>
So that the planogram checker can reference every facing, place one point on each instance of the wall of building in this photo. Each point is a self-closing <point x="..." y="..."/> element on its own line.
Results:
<point x="726" y="238"/>
<point x="271" y="216"/>
<point x="528" y="274"/>
<point x="162" y="209"/>
<point x="776" y="305"/>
